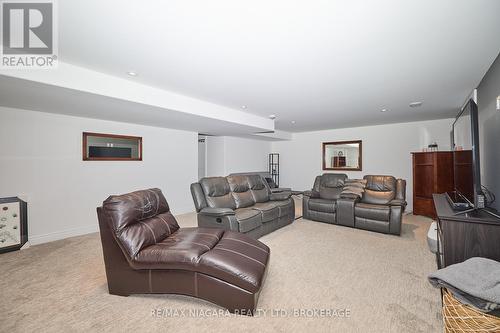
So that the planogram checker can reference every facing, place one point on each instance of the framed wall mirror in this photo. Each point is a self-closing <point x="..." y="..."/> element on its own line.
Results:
<point x="343" y="155"/>
<point x="111" y="147"/>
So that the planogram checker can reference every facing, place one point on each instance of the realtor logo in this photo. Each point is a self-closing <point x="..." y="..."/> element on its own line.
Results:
<point x="28" y="34"/>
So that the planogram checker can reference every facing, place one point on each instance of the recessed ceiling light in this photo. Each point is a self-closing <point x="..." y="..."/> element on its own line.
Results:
<point x="272" y="116"/>
<point x="416" y="104"/>
<point x="293" y="121"/>
<point x="383" y="110"/>
<point x="243" y="106"/>
<point x="132" y="73"/>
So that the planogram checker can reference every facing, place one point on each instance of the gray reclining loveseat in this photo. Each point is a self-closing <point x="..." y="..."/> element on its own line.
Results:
<point x="380" y="208"/>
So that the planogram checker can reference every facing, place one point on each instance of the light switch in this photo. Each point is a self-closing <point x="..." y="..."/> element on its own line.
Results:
<point x="498" y="103"/>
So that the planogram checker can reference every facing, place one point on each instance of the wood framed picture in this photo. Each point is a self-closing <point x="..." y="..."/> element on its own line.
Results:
<point x="111" y="147"/>
<point x="343" y="155"/>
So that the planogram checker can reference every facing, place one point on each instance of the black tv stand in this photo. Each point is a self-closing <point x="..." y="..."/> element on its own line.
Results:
<point x="462" y="206"/>
<point x="460" y="237"/>
<point x="476" y="210"/>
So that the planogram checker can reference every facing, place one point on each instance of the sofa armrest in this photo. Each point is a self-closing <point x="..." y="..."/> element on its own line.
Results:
<point x="397" y="202"/>
<point x="217" y="212"/>
<point x="350" y="196"/>
<point x="276" y="196"/>
<point x="345" y="210"/>
<point x="400" y="189"/>
<point x="311" y="194"/>
<point x="221" y="218"/>
<point x="280" y="189"/>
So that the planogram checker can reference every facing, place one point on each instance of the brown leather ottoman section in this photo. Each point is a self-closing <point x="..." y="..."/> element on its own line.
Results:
<point x="237" y="259"/>
<point x="223" y="267"/>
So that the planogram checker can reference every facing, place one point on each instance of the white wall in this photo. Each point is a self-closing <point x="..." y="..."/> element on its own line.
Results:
<point x="216" y="165"/>
<point x="244" y="155"/>
<point x="41" y="160"/>
<point x="386" y="150"/>
<point x="227" y="155"/>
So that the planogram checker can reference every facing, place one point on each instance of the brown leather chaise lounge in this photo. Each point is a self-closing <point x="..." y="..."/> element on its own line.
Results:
<point x="145" y="251"/>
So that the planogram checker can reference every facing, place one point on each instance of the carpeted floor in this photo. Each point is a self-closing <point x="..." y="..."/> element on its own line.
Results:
<point x="379" y="279"/>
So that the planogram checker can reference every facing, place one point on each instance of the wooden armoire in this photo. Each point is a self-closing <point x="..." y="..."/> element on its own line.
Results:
<point x="432" y="173"/>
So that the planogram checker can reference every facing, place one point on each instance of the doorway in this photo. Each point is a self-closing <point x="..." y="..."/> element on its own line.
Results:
<point x="202" y="156"/>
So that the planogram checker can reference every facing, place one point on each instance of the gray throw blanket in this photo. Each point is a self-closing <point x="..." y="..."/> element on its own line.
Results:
<point x="353" y="188"/>
<point x="475" y="282"/>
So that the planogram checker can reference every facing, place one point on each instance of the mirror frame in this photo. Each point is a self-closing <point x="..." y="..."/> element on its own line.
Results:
<point x="360" y="157"/>
<point x="85" y="157"/>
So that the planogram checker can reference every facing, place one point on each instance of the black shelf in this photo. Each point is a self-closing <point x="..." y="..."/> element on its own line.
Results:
<point x="274" y="167"/>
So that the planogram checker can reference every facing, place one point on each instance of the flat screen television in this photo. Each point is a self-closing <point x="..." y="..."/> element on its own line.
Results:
<point x="466" y="167"/>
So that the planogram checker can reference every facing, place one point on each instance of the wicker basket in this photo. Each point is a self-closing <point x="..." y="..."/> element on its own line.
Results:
<point x="459" y="317"/>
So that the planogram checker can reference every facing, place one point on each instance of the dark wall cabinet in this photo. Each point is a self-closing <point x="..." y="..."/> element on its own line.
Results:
<point x="432" y="173"/>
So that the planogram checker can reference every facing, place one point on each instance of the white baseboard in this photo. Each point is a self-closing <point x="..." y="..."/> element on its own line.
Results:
<point x="57" y="235"/>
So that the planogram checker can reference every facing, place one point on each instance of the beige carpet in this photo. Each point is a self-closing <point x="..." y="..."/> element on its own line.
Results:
<point x="379" y="279"/>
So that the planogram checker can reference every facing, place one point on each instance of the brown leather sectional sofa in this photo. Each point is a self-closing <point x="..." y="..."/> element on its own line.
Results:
<point x="145" y="251"/>
<point x="379" y="209"/>
<point x="242" y="203"/>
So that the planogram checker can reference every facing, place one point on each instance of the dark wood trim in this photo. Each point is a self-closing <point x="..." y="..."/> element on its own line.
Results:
<point x="116" y="136"/>
<point x="360" y="157"/>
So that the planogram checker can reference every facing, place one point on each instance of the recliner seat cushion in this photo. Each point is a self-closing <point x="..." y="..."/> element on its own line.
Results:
<point x="322" y="205"/>
<point x="226" y="255"/>
<point x="241" y="191"/>
<point x="237" y="259"/>
<point x="372" y="212"/>
<point x="139" y="219"/>
<point x="248" y="219"/>
<point x="284" y="206"/>
<point x="269" y="210"/>
<point x="217" y="192"/>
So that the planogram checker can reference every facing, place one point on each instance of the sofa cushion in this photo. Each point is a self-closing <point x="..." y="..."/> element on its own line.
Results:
<point x="230" y="256"/>
<point x="372" y="225"/>
<point x="372" y="212"/>
<point x="330" y="193"/>
<point x="139" y="219"/>
<point x="269" y="210"/>
<point x="380" y="183"/>
<point x="237" y="259"/>
<point x="179" y="251"/>
<point x="331" y="185"/>
<point x="284" y="206"/>
<point x="377" y="197"/>
<point x="217" y="192"/>
<point x="379" y="190"/>
<point x="259" y="188"/>
<point x="333" y="179"/>
<point x="129" y="208"/>
<point x="248" y="219"/>
<point x="322" y="205"/>
<point x="240" y="191"/>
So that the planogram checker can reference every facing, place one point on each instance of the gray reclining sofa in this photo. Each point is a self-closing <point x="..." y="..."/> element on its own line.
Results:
<point x="241" y="203"/>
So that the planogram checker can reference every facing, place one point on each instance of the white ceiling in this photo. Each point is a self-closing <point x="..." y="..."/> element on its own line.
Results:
<point x="324" y="64"/>
<point x="30" y="95"/>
